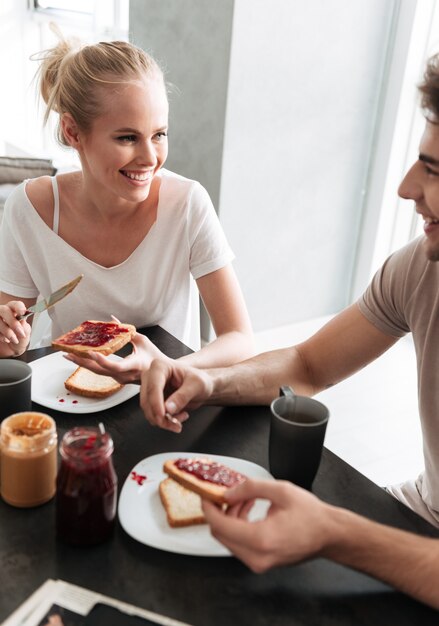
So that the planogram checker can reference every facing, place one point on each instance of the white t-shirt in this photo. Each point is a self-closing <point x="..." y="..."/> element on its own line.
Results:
<point x="154" y="285"/>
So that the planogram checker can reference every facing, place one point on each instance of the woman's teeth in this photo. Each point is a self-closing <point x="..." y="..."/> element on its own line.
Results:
<point x="134" y="176"/>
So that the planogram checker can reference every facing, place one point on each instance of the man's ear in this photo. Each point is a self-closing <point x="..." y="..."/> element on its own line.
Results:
<point x="70" y="130"/>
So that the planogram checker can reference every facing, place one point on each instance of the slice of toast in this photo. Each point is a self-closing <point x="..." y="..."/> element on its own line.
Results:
<point x="204" y="476"/>
<point x="103" y="337"/>
<point x="83" y="382"/>
<point x="182" y="506"/>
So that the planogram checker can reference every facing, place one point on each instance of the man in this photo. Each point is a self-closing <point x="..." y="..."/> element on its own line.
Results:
<point x="402" y="297"/>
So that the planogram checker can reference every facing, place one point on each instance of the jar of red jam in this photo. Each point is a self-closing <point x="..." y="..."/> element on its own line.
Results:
<point x="86" y="487"/>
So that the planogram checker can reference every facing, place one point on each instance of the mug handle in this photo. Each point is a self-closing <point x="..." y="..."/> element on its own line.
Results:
<point x="287" y="391"/>
<point x="290" y="396"/>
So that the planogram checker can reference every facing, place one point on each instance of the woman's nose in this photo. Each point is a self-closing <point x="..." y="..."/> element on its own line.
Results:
<point x="146" y="154"/>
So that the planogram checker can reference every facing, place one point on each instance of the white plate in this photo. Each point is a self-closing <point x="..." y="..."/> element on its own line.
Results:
<point x="142" y="515"/>
<point x="48" y="376"/>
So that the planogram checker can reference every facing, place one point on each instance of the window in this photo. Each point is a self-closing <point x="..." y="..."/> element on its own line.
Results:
<point x="90" y="21"/>
<point x="102" y="18"/>
<point x="75" y="6"/>
<point x="388" y="222"/>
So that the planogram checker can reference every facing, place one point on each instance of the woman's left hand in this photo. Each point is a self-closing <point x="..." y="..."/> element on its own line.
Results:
<point x="127" y="370"/>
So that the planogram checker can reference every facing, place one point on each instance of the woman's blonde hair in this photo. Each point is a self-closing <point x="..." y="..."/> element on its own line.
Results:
<point x="71" y="77"/>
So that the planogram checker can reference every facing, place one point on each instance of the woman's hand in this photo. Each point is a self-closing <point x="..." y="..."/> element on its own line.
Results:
<point x="127" y="370"/>
<point x="14" y="334"/>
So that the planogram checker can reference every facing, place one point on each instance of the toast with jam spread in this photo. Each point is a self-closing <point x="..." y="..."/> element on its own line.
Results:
<point x="92" y="335"/>
<point x="204" y="476"/>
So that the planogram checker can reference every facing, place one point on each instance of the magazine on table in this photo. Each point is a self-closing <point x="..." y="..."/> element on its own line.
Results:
<point x="58" y="603"/>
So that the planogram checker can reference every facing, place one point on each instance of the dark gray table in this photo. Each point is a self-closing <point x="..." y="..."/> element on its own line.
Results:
<point x="199" y="590"/>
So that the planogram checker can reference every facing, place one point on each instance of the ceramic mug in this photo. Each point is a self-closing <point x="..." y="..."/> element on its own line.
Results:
<point x="15" y="387"/>
<point x="297" y="432"/>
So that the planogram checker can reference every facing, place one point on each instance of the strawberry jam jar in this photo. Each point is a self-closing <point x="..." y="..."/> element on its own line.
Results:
<point x="86" y="487"/>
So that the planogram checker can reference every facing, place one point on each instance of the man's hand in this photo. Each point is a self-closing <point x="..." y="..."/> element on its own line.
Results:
<point x="296" y="527"/>
<point x="169" y="387"/>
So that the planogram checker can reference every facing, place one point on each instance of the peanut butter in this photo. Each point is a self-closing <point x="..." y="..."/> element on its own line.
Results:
<point x="28" y="459"/>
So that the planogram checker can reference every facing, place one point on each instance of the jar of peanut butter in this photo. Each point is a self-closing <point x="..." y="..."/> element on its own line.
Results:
<point x="28" y="459"/>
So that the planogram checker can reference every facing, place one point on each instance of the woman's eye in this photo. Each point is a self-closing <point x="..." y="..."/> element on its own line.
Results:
<point x="127" y="138"/>
<point x="162" y="135"/>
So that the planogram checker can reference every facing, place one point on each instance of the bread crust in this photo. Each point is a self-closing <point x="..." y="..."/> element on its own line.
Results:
<point x="109" y="347"/>
<point x="206" y="489"/>
<point x="168" y="505"/>
<point x="80" y="389"/>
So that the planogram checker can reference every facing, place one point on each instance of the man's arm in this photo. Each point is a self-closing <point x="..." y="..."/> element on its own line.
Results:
<point x="343" y="346"/>
<point x="404" y="560"/>
<point x="299" y="526"/>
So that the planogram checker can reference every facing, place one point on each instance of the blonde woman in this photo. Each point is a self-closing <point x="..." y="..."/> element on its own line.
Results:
<point x="143" y="237"/>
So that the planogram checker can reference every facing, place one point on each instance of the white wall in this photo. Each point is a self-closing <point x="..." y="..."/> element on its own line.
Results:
<point x="301" y="82"/>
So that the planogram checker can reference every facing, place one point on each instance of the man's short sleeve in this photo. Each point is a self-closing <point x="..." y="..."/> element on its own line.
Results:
<point x="386" y="301"/>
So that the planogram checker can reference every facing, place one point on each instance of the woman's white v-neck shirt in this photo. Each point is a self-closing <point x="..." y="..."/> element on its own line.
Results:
<point x="154" y="285"/>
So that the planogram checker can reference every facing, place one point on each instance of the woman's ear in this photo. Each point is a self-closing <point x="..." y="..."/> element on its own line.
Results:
<point x="70" y="130"/>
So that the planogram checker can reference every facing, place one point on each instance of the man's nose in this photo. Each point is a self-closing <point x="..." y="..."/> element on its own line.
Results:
<point x="410" y="187"/>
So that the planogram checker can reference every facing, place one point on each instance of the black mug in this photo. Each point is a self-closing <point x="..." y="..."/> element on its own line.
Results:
<point x="15" y="387"/>
<point x="297" y="432"/>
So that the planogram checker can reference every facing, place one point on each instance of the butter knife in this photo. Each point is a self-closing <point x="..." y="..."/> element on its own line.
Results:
<point x="54" y="297"/>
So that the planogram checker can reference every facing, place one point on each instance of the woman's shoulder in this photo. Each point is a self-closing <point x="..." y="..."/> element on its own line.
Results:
<point x="40" y="194"/>
<point x="175" y="180"/>
<point x="181" y="186"/>
<point x="38" y="189"/>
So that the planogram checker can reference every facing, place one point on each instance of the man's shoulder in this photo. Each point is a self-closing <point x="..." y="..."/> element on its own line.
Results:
<point x="412" y="255"/>
<point x="412" y="248"/>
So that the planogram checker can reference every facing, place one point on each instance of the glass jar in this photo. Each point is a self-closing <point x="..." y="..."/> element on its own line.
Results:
<point x="28" y="459"/>
<point x="86" y="487"/>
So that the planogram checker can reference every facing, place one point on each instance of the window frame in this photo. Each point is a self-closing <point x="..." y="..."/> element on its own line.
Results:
<point x="95" y="25"/>
<point x="387" y="221"/>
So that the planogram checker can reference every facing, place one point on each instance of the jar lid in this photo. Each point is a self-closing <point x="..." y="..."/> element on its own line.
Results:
<point x="28" y="431"/>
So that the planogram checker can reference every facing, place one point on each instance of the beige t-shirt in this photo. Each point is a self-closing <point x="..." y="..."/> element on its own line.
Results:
<point x="404" y="297"/>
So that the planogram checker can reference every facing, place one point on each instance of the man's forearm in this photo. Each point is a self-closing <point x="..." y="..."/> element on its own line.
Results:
<point x="404" y="560"/>
<point x="257" y="380"/>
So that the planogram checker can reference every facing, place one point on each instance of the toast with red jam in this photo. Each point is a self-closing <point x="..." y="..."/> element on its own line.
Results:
<point x="204" y="476"/>
<point x="103" y="337"/>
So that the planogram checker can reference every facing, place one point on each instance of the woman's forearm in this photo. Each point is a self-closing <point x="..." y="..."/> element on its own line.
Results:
<point x="227" y="349"/>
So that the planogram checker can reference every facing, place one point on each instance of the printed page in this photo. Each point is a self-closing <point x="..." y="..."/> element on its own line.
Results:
<point x="58" y="603"/>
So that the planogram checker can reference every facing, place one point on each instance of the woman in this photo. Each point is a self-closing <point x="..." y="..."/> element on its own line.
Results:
<point x="139" y="233"/>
